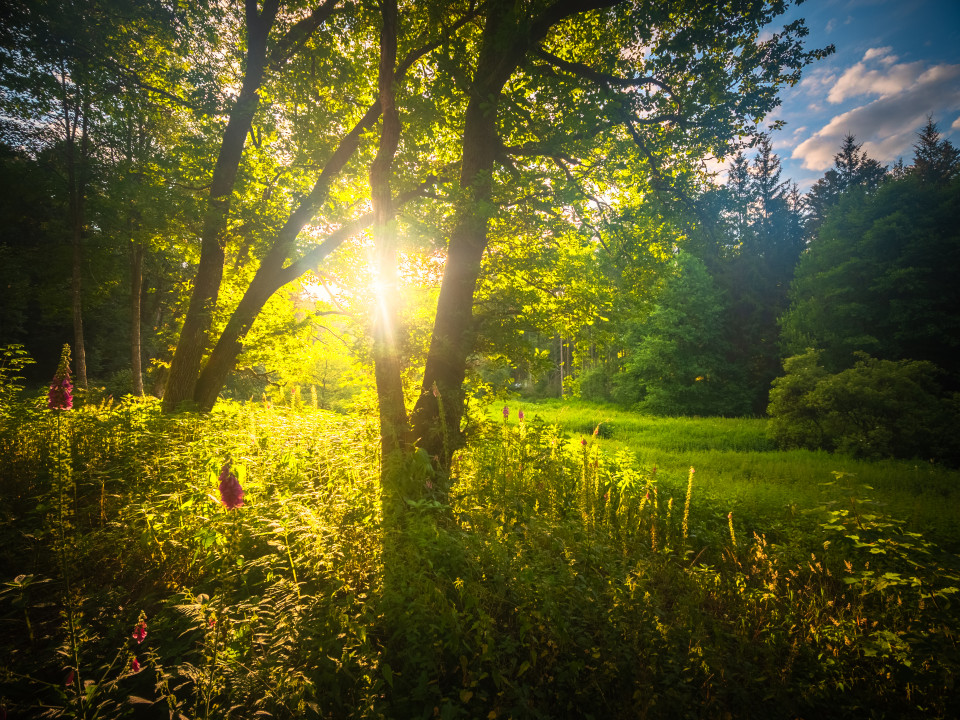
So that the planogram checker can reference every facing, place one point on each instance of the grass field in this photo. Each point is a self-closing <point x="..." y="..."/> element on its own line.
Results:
<point x="739" y="468"/>
<point x="553" y="574"/>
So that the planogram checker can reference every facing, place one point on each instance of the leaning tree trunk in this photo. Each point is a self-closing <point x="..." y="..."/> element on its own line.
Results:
<point x="185" y="367"/>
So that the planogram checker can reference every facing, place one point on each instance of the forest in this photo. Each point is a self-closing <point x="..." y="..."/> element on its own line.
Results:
<point x="390" y="359"/>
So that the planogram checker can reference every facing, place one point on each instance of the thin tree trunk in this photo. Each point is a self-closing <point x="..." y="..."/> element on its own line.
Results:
<point x="79" y="348"/>
<point x="136" y="293"/>
<point x="76" y="178"/>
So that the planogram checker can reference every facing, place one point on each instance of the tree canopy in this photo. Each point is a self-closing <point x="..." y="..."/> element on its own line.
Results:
<point x="541" y="148"/>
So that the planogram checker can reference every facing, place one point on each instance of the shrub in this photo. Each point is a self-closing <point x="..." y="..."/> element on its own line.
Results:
<point x="877" y="408"/>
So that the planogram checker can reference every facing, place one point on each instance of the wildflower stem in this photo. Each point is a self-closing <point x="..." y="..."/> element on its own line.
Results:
<point x="686" y="506"/>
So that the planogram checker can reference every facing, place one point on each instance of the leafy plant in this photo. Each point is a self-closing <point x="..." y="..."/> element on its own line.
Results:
<point x="878" y="408"/>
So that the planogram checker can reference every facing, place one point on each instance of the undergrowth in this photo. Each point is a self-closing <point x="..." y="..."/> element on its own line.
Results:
<point x="543" y="578"/>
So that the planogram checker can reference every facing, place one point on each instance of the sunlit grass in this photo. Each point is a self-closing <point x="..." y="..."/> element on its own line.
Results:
<point x="555" y="575"/>
<point x="739" y="468"/>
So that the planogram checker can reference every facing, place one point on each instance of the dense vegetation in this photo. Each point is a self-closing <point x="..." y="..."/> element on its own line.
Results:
<point x="556" y="575"/>
<point x="299" y="248"/>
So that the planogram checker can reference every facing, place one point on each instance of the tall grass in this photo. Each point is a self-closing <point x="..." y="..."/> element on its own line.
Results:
<point x="544" y="578"/>
<point x="739" y="467"/>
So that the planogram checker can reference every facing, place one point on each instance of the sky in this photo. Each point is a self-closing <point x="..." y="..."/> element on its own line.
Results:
<point x="896" y="63"/>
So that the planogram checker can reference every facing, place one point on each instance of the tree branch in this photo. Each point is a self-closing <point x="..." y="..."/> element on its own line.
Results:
<point x="350" y="228"/>
<point x="300" y="32"/>
<point x="585" y="71"/>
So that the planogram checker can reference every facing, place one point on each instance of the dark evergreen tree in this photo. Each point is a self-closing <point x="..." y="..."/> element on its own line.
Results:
<point x="756" y="274"/>
<point x="852" y="168"/>
<point x="881" y="278"/>
<point x="936" y="159"/>
<point x="678" y="362"/>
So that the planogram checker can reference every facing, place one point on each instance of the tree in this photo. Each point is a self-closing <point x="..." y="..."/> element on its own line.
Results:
<point x="62" y="100"/>
<point x="689" y="87"/>
<point x="281" y="259"/>
<point x="936" y="160"/>
<point x="761" y="238"/>
<point x="852" y="168"/>
<point x="678" y="357"/>
<point x="880" y="278"/>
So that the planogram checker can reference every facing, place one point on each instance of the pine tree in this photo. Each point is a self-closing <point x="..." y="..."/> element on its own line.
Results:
<point x="936" y="160"/>
<point x="852" y="168"/>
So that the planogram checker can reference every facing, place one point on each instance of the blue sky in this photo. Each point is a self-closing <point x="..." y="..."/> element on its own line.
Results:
<point x="896" y="62"/>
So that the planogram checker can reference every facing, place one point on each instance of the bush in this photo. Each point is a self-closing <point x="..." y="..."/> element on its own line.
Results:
<point x="877" y="408"/>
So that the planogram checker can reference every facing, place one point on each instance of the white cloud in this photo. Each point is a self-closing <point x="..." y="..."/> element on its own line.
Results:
<point x="817" y="80"/>
<point x="877" y="52"/>
<point x="956" y="124"/>
<point x="890" y="79"/>
<point x="887" y="126"/>
<point x="831" y="25"/>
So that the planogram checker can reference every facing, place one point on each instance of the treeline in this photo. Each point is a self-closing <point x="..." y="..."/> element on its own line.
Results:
<point x="858" y="271"/>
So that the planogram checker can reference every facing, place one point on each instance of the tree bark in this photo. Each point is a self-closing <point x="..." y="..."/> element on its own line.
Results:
<point x="76" y="178"/>
<point x="436" y="415"/>
<point x="272" y="273"/>
<point x="394" y="426"/>
<point x="136" y="291"/>
<point x="184" y="368"/>
<point x="507" y="36"/>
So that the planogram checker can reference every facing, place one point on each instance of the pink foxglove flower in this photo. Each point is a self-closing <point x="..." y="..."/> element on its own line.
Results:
<point x="520" y="414"/>
<point x="60" y="395"/>
<point x="140" y="631"/>
<point x="506" y="412"/>
<point x="135" y="665"/>
<point x="231" y="494"/>
<point x="69" y="681"/>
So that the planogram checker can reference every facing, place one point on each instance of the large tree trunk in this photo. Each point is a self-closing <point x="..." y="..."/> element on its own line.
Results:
<point x="507" y="35"/>
<point x="439" y="409"/>
<point x="185" y="366"/>
<point x="394" y="426"/>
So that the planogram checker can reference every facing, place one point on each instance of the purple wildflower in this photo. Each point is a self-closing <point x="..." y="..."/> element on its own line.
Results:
<point x="140" y="631"/>
<point x="69" y="681"/>
<point x="506" y="412"/>
<point x="231" y="494"/>
<point x="60" y="395"/>
<point x="135" y="665"/>
<point x="520" y="414"/>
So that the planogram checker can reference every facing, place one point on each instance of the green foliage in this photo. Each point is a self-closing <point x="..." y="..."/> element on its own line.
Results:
<point x="677" y="364"/>
<point x="548" y="579"/>
<point x="13" y="359"/>
<point x="879" y="278"/>
<point x="877" y="408"/>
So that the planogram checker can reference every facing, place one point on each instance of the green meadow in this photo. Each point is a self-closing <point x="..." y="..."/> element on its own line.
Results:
<point x="739" y="468"/>
<point x="557" y="573"/>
